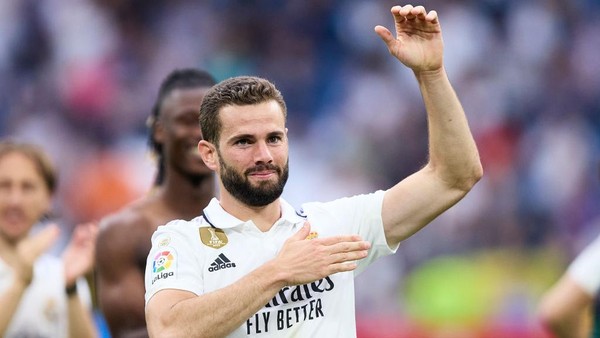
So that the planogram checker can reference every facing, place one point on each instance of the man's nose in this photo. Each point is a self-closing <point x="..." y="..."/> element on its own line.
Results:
<point x="13" y="196"/>
<point x="262" y="153"/>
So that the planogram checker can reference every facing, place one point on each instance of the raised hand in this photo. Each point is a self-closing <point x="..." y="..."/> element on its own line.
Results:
<point x="78" y="257"/>
<point x="306" y="260"/>
<point x="22" y="256"/>
<point x="418" y="43"/>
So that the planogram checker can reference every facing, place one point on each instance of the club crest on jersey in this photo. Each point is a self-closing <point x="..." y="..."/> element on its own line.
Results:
<point x="312" y="234"/>
<point x="51" y="310"/>
<point x="213" y="237"/>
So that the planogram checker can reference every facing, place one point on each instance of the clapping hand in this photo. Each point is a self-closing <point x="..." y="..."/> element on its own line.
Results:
<point x="78" y="257"/>
<point x="22" y="256"/>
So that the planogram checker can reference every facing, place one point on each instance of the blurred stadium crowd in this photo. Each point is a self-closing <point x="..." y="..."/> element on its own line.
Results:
<point x="79" y="78"/>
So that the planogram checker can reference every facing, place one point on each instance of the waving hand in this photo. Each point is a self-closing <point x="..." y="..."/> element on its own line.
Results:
<point x="418" y="43"/>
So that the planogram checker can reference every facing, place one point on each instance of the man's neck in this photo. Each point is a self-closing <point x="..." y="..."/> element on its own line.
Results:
<point x="263" y="217"/>
<point x="185" y="196"/>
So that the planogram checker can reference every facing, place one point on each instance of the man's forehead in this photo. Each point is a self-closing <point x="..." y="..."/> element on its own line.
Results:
<point x="186" y="94"/>
<point x="188" y="99"/>
<point x="240" y="116"/>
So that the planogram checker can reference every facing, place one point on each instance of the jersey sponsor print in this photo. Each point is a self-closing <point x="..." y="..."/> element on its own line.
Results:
<point x="290" y="306"/>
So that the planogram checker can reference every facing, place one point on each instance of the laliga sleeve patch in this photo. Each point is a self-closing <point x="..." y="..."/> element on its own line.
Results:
<point x="164" y="265"/>
<point x="213" y="237"/>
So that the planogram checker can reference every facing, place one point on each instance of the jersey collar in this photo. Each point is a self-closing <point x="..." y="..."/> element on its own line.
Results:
<point x="219" y="218"/>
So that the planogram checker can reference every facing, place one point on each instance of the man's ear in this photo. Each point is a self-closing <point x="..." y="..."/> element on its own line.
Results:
<point x="159" y="132"/>
<point x="209" y="155"/>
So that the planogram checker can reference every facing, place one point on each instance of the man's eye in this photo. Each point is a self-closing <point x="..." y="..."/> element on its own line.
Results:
<point x="242" y="142"/>
<point x="28" y="187"/>
<point x="190" y="121"/>
<point x="274" y="139"/>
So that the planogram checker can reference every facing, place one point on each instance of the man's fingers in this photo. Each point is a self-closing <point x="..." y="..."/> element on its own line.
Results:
<point x="85" y="232"/>
<point x="345" y="257"/>
<point x="348" y="251"/>
<point x="352" y="246"/>
<point x="408" y="12"/>
<point x="344" y="249"/>
<point x="403" y="11"/>
<point x="432" y="17"/>
<point x="340" y="239"/>
<point x="343" y="267"/>
<point x="419" y="12"/>
<point x="41" y="241"/>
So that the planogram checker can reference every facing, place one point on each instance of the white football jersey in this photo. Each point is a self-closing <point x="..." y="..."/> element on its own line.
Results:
<point x="216" y="249"/>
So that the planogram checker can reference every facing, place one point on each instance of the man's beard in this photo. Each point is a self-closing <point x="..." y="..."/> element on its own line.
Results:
<point x="240" y="187"/>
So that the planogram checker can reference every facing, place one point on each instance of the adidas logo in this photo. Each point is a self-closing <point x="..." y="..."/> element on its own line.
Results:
<point x="222" y="262"/>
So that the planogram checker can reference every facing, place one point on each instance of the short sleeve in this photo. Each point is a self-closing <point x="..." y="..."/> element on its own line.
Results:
<point x="173" y="262"/>
<point x="360" y="214"/>
<point x="585" y="269"/>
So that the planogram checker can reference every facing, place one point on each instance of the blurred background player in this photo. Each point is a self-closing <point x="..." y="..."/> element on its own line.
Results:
<point x="39" y="293"/>
<point x="571" y="308"/>
<point x="183" y="187"/>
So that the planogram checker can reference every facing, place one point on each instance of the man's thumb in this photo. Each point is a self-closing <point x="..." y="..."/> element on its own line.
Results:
<point x="385" y="35"/>
<point x="303" y="232"/>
